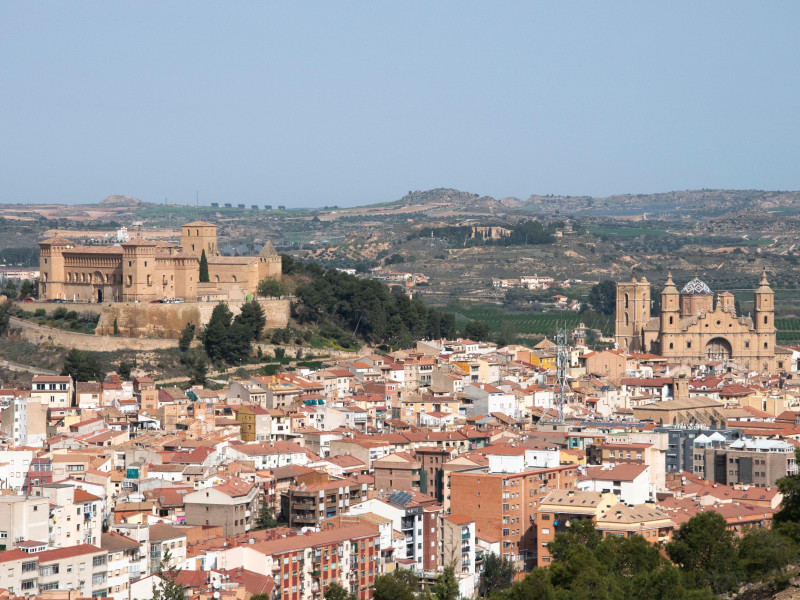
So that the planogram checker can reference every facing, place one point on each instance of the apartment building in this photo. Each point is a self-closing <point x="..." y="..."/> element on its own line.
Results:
<point x="611" y="518"/>
<point x="303" y="566"/>
<point x="23" y="518"/>
<point x="458" y="543"/>
<point x="398" y="471"/>
<point x="505" y="505"/>
<point x="233" y="505"/>
<point x="306" y="505"/>
<point x="55" y="391"/>
<point x="76" y="516"/>
<point x="82" y="568"/>
<point x="24" y="421"/>
<point x="745" y="461"/>
<point x="126" y="563"/>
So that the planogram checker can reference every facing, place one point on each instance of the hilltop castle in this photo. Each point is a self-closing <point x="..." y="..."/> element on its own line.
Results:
<point x="691" y="329"/>
<point x="142" y="271"/>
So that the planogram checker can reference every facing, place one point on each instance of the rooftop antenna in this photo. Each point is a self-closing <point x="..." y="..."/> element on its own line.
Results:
<point x="561" y="387"/>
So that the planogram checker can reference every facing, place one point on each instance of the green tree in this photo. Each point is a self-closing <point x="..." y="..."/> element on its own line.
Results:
<point x="187" y="335"/>
<point x="535" y="585"/>
<point x="124" y="370"/>
<point x="270" y="287"/>
<point x="507" y="334"/>
<point x="477" y="331"/>
<point x="83" y="366"/>
<point x="237" y="347"/>
<point x="265" y="520"/>
<point x="253" y="319"/>
<point x="446" y="586"/>
<point x="203" y="277"/>
<point x="336" y="592"/>
<point x="498" y="574"/>
<point x="5" y="316"/>
<point x="763" y="552"/>
<point x="705" y="551"/>
<point x="581" y="533"/>
<point x="10" y="290"/>
<point x="603" y="297"/>
<point x="400" y="584"/>
<point x="27" y="289"/>
<point x="215" y="334"/>
<point x="168" y="589"/>
<point x="789" y="486"/>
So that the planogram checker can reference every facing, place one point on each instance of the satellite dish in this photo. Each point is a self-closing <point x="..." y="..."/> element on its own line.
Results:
<point x="216" y="586"/>
<point x="216" y="594"/>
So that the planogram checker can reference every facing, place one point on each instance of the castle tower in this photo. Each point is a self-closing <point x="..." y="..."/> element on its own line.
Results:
<point x="198" y="236"/>
<point x="51" y="266"/>
<point x="139" y="270"/>
<point x="269" y="263"/>
<point x="633" y="312"/>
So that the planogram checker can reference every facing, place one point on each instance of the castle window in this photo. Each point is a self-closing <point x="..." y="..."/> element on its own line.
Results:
<point x="765" y="345"/>
<point x="145" y="263"/>
<point x="130" y="263"/>
<point x="689" y="344"/>
<point x="197" y="232"/>
<point x="130" y="279"/>
<point x="234" y="281"/>
<point x="670" y="320"/>
<point x="626" y="300"/>
<point x="149" y="280"/>
<point x="217" y="278"/>
<point x="670" y="346"/>
<point x="747" y="344"/>
<point x="765" y="319"/>
<point x="626" y="319"/>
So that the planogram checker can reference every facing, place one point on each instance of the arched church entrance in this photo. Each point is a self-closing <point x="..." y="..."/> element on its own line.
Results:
<point x="718" y="349"/>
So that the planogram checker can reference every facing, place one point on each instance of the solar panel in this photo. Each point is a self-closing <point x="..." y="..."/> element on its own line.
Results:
<point x="400" y="498"/>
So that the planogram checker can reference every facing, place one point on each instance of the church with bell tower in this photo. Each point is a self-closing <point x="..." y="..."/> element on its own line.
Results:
<point x="693" y="329"/>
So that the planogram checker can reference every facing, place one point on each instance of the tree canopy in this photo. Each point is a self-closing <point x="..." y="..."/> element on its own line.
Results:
<point x="270" y="287"/>
<point x="603" y="297"/>
<point x="203" y="276"/>
<point x="83" y="366"/>
<point x="343" y="304"/>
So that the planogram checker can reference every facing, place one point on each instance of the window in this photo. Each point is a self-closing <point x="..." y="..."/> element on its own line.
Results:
<point x="98" y="578"/>
<point x="29" y="566"/>
<point x="29" y="584"/>
<point x="98" y="561"/>
<point x="49" y="586"/>
<point x="48" y="570"/>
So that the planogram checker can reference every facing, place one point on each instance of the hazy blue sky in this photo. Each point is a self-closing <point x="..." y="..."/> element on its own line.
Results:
<point x="315" y="103"/>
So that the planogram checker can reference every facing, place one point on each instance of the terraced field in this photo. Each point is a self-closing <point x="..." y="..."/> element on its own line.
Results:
<point x="530" y="323"/>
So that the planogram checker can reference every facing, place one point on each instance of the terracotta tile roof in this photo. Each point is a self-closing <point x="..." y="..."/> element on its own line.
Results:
<point x="235" y="487"/>
<point x="316" y="539"/>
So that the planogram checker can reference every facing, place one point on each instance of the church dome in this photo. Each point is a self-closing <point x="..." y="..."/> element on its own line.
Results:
<point x="695" y="286"/>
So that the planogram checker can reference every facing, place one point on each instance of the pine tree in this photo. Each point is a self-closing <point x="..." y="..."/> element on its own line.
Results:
<point x="265" y="520"/>
<point x="203" y="267"/>
<point x="446" y="586"/>
<point x="168" y="589"/>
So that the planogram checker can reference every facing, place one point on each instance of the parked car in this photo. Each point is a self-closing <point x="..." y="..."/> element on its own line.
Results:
<point x="28" y="300"/>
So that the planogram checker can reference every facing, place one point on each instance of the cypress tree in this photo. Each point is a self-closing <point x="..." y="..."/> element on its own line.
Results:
<point x="203" y="268"/>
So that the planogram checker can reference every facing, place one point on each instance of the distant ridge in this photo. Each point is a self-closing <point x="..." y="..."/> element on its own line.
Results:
<point x="117" y="200"/>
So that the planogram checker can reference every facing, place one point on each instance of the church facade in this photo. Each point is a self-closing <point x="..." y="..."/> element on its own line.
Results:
<point x="142" y="271"/>
<point x="693" y="329"/>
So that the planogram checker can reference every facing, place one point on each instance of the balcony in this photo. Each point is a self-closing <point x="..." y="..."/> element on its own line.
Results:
<point x="304" y="518"/>
<point x="465" y="536"/>
<point x="316" y="573"/>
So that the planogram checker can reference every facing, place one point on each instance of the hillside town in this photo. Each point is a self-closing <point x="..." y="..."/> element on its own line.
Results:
<point x="423" y="459"/>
